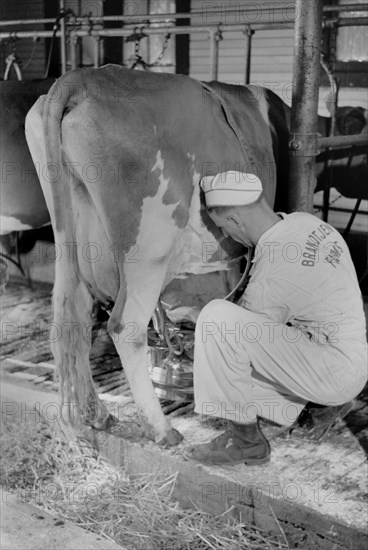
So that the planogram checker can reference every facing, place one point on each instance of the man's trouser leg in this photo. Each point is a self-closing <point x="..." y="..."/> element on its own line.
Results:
<point x="245" y="365"/>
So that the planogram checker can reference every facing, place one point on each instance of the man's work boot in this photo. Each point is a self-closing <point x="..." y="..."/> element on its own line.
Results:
<point x="317" y="420"/>
<point x="239" y="444"/>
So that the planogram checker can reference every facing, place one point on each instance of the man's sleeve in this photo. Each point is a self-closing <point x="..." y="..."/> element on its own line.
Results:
<point x="268" y="297"/>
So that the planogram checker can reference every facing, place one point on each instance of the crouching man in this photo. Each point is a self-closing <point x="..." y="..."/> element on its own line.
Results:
<point x="296" y="335"/>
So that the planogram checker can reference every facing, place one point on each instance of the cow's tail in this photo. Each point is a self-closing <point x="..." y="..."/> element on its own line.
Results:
<point x="65" y="93"/>
<point x="72" y="300"/>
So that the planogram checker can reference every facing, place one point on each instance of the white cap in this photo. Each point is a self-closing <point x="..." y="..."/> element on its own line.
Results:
<point x="231" y="189"/>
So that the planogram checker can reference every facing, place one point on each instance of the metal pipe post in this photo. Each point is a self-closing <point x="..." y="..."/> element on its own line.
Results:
<point x="62" y="39"/>
<point x="96" y="52"/>
<point x="73" y="50"/>
<point x="248" y="52"/>
<point x="215" y="37"/>
<point x="303" y="145"/>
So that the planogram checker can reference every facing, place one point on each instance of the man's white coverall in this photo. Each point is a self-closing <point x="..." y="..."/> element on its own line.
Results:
<point x="297" y="335"/>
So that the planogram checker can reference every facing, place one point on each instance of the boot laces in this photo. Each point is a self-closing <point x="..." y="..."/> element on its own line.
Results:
<point x="224" y="440"/>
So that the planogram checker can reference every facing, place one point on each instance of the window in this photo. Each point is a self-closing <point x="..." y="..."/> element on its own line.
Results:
<point x="347" y="47"/>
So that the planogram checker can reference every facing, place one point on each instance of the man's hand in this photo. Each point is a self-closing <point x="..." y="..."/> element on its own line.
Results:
<point x="183" y="313"/>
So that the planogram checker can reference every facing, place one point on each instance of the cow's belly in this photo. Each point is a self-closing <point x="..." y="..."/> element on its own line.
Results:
<point x="9" y="224"/>
<point x="22" y="202"/>
<point x="96" y="259"/>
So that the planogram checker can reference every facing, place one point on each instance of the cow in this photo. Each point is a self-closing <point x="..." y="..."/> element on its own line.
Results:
<point x="122" y="153"/>
<point x="22" y="205"/>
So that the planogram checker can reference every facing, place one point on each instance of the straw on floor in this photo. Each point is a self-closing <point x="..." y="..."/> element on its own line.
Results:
<point x="138" y="512"/>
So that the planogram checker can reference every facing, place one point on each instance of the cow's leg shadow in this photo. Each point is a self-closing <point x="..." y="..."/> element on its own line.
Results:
<point x="71" y="344"/>
<point x="129" y="334"/>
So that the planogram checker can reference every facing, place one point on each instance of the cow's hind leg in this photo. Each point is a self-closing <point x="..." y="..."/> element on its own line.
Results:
<point x="130" y="338"/>
<point x="70" y="344"/>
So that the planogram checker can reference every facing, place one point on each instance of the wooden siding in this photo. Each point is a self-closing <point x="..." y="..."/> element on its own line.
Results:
<point x="272" y="50"/>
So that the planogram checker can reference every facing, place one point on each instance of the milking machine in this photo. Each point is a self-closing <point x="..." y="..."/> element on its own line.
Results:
<point x="170" y="357"/>
<point x="171" y="348"/>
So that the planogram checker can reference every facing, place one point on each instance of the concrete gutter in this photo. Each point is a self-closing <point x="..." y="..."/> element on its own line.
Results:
<point x="26" y="527"/>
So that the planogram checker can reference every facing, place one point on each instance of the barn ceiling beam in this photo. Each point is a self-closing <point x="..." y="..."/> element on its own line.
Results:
<point x="303" y="143"/>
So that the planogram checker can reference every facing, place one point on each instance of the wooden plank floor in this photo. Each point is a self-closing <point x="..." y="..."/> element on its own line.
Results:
<point x="26" y="318"/>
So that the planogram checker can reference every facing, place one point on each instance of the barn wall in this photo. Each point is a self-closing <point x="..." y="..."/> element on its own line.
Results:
<point x="272" y="50"/>
<point x="272" y="53"/>
<point x="31" y="56"/>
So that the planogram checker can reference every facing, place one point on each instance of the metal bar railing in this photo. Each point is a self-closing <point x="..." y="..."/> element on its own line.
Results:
<point x="149" y="31"/>
<point x="224" y="27"/>
<point x="346" y="22"/>
<point x="347" y="210"/>
<point x="346" y="7"/>
<point x="342" y="141"/>
<point x="213" y="30"/>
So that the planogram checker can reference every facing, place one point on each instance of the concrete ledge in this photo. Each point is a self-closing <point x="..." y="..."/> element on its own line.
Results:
<point x="26" y="527"/>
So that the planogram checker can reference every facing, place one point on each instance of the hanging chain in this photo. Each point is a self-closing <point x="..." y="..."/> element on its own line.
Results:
<point x="162" y="53"/>
<point x="13" y="47"/>
<point x="137" y="36"/>
<point x="36" y="41"/>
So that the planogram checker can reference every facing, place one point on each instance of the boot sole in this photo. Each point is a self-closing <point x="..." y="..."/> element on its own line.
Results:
<point x="247" y="462"/>
<point x="256" y="461"/>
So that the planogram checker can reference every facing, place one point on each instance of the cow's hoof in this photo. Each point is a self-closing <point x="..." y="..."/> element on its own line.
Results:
<point x="109" y="422"/>
<point x="172" y="438"/>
